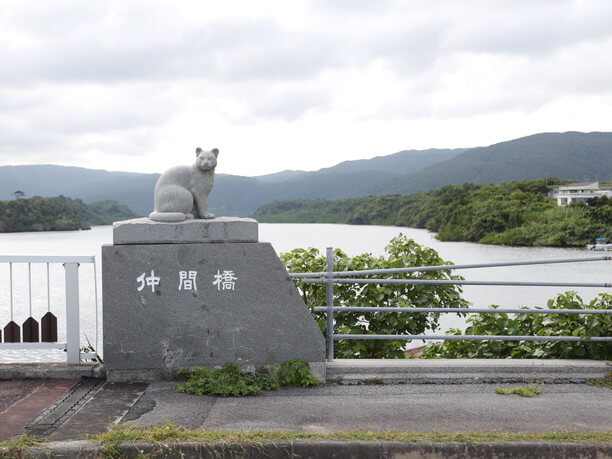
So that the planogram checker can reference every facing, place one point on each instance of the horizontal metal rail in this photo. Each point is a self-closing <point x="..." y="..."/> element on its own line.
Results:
<point x="22" y="346"/>
<point x="329" y="278"/>
<point x="45" y="259"/>
<point x="452" y="282"/>
<point x="477" y="337"/>
<point x="462" y="310"/>
<point x="365" y="272"/>
<point x="71" y="279"/>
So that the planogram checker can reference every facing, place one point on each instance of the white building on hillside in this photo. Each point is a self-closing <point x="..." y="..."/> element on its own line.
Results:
<point x="575" y="192"/>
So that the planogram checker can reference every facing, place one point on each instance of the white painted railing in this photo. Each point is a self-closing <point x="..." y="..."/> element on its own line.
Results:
<point x="13" y="336"/>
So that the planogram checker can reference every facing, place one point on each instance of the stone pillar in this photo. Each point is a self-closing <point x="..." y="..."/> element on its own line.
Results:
<point x="199" y="292"/>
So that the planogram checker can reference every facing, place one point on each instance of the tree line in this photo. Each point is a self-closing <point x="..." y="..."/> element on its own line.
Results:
<point x="57" y="214"/>
<point x="515" y="213"/>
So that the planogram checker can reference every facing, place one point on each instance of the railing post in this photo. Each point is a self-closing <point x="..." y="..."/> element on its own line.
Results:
<point x="73" y="337"/>
<point x="330" y="304"/>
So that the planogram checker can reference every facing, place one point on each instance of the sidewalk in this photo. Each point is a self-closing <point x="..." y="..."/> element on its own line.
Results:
<point x="420" y="408"/>
<point x="91" y="405"/>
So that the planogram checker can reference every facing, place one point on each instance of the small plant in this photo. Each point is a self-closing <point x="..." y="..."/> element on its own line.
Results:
<point x="530" y="391"/>
<point x="225" y="382"/>
<point x="89" y="348"/>
<point x="606" y="381"/>
<point x="16" y="445"/>
<point x="160" y="436"/>
<point x="296" y="372"/>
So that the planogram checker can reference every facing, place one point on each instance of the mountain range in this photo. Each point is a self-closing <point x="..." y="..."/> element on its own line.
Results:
<point x="569" y="155"/>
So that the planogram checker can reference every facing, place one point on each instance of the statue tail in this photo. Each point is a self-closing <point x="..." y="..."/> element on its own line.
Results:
<point x="167" y="216"/>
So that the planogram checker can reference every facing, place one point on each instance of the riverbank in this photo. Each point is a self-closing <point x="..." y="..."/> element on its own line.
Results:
<point x="514" y="214"/>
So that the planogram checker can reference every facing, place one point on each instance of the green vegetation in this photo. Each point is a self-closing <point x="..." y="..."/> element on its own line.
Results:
<point x="585" y="326"/>
<point x="296" y="372"/>
<point x="169" y="433"/>
<point x="401" y="252"/>
<point x="230" y="382"/>
<point x="166" y="436"/>
<point x="16" y="445"/>
<point x="225" y="382"/>
<point x="530" y="391"/>
<point x="512" y="213"/>
<point x="606" y="381"/>
<point x="58" y="214"/>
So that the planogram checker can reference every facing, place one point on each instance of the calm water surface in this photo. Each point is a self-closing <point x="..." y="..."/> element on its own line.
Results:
<point x="352" y="239"/>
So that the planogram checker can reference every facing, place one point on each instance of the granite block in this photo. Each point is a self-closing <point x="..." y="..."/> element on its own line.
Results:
<point x="221" y="229"/>
<point x="179" y="305"/>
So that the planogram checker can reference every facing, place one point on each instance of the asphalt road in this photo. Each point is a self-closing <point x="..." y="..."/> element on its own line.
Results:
<point x="419" y="408"/>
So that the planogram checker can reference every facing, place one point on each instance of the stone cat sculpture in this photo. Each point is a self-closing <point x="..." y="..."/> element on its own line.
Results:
<point x="181" y="193"/>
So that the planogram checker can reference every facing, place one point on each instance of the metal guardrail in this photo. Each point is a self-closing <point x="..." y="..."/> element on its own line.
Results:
<point x="329" y="277"/>
<point x="32" y="336"/>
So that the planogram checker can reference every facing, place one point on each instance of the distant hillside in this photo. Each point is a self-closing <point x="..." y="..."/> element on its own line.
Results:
<point x="569" y="155"/>
<point x="58" y="214"/>
<point x="513" y="213"/>
<point x="131" y="189"/>
<point x="232" y="194"/>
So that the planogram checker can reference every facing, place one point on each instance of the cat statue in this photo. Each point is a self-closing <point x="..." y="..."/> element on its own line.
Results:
<point x="181" y="193"/>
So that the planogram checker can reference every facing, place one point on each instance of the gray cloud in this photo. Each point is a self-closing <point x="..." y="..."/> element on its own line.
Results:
<point x="111" y="76"/>
<point x="532" y="28"/>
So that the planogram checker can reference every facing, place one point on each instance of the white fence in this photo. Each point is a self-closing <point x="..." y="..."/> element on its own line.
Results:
<point x="43" y="333"/>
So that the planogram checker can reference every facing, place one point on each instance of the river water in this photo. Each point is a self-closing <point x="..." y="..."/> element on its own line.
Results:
<point x="352" y="239"/>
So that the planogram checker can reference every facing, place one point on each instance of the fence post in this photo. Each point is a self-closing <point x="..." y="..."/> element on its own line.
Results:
<point x="330" y="304"/>
<point x="73" y="337"/>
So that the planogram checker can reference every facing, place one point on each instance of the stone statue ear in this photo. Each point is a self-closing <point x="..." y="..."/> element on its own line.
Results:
<point x="198" y="151"/>
<point x="215" y="152"/>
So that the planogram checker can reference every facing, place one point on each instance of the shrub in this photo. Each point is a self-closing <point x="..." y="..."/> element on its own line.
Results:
<point x="225" y="382"/>
<point x="230" y="382"/>
<point x="296" y="372"/>
<point x="401" y="252"/>
<point x="585" y="326"/>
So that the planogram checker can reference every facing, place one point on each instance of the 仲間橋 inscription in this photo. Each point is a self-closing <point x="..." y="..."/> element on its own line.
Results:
<point x="187" y="280"/>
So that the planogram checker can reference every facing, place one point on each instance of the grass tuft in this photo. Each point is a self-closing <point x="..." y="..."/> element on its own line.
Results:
<point x="606" y="381"/>
<point x="529" y="391"/>
<point x="169" y="433"/>
<point x="16" y="445"/>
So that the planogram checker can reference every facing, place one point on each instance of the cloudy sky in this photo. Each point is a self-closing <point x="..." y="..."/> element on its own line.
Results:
<point x="137" y="85"/>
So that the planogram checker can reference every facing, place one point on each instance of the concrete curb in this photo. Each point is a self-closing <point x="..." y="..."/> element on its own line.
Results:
<point x="50" y="370"/>
<point x="328" y="448"/>
<point x="465" y="371"/>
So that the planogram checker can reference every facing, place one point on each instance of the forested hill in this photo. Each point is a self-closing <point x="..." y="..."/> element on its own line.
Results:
<point x="58" y="214"/>
<point x="232" y="194"/>
<point x="569" y="155"/>
<point x="513" y="213"/>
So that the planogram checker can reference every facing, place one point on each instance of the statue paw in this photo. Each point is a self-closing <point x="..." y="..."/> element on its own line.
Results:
<point x="189" y="216"/>
<point x="209" y="215"/>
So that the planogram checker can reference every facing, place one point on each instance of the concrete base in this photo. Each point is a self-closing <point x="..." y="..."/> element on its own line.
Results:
<point x="170" y="306"/>
<point x="220" y="229"/>
<point x="50" y="370"/>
